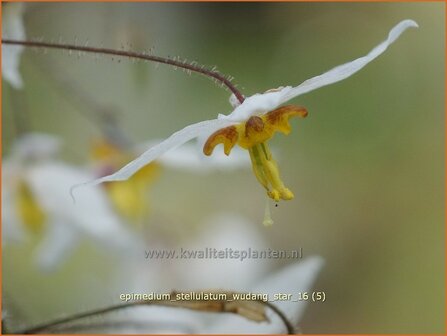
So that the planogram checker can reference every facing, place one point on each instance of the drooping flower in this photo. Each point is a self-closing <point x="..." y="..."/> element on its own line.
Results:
<point x="13" y="28"/>
<point x="253" y="122"/>
<point x="36" y="185"/>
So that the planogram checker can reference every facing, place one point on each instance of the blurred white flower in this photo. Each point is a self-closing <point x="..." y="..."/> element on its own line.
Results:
<point x="132" y="198"/>
<point x="292" y="279"/>
<point x="12" y="28"/>
<point x="254" y="122"/>
<point x="36" y="185"/>
<point x="221" y="232"/>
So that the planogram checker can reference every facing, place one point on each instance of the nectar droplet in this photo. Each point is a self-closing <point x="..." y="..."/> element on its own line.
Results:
<point x="268" y="221"/>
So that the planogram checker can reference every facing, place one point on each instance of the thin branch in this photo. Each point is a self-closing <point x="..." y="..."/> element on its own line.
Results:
<point x="207" y="308"/>
<point x="190" y="67"/>
<point x="282" y="316"/>
<point x="75" y="317"/>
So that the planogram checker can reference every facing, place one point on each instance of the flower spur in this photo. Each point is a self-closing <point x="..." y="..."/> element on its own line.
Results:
<point x="253" y="122"/>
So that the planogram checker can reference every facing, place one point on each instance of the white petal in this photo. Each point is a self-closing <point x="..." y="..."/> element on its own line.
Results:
<point x="177" y="139"/>
<point x="91" y="215"/>
<point x="256" y="105"/>
<point x="59" y="240"/>
<point x="348" y="69"/>
<point x="262" y="103"/>
<point x="12" y="28"/>
<point x="234" y="102"/>
<point x="298" y="277"/>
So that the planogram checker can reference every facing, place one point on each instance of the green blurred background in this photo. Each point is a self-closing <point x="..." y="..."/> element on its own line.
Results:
<point x="366" y="166"/>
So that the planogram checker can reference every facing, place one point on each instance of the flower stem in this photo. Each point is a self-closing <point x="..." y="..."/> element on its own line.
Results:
<point x="131" y="54"/>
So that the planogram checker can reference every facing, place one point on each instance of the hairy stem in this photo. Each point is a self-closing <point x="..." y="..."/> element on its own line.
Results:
<point x="190" y="67"/>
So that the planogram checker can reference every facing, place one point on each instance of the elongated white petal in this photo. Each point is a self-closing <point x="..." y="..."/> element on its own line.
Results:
<point x="12" y="28"/>
<point x="262" y="103"/>
<point x="295" y="278"/>
<point x="177" y="139"/>
<point x="348" y="69"/>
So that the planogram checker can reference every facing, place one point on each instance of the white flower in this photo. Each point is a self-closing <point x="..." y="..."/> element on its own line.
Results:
<point x="295" y="278"/>
<point x="12" y="28"/>
<point x="36" y="186"/>
<point x="292" y="279"/>
<point x="222" y="231"/>
<point x="254" y="122"/>
<point x="225" y="231"/>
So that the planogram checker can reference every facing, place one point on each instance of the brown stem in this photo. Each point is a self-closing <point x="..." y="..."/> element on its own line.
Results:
<point x="75" y="317"/>
<point x="282" y="316"/>
<point x="194" y="68"/>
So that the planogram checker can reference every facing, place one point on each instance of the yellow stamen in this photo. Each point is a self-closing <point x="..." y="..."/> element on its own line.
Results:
<point x="267" y="173"/>
<point x="253" y="136"/>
